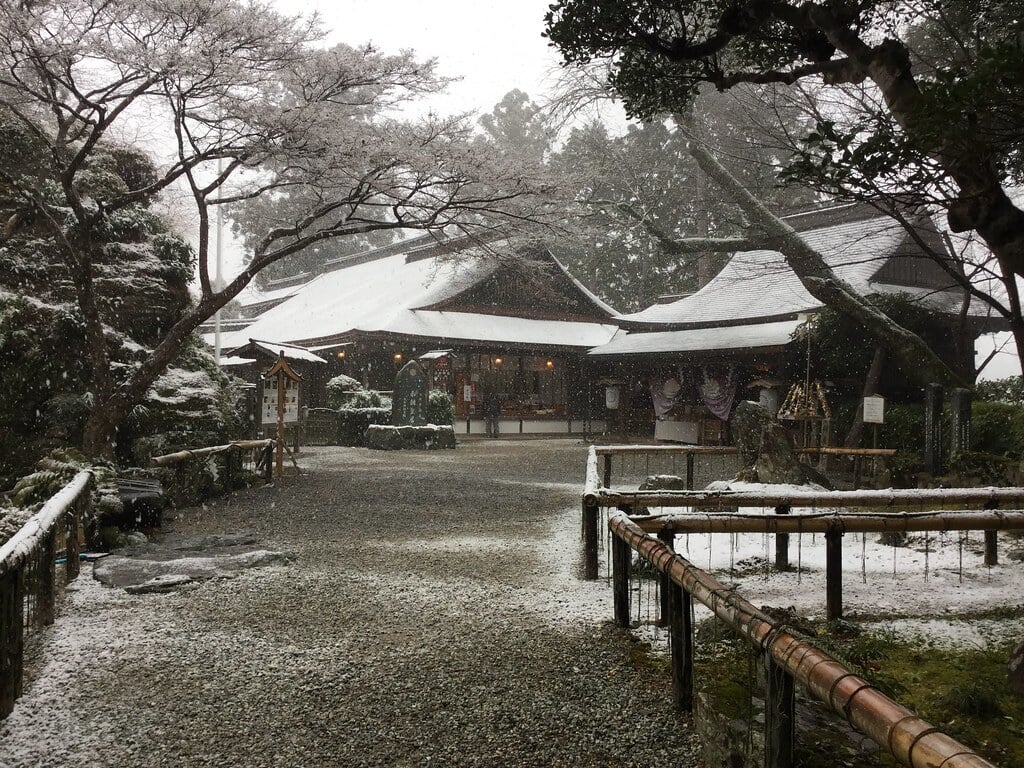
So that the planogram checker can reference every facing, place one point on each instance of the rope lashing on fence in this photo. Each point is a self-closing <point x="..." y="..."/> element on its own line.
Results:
<point x="910" y="739"/>
<point x="188" y="454"/>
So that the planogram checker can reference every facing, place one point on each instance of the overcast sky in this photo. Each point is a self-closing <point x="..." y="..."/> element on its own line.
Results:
<point x="493" y="46"/>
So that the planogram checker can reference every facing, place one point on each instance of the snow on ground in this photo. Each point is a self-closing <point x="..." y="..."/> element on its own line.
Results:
<point x="929" y="587"/>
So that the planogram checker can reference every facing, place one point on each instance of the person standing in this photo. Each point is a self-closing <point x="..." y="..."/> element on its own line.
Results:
<point x="492" y="411"/>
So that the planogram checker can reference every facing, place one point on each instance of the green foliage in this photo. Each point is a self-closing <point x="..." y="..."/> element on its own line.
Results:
<point x="1008" y="390"/>
<point x="353" y="423"/>
<point x="974" y="468"/>
<point x="346" y="392"/>
<point x="842" y="352"/>
<point x="440" y="408"/>
<point x="140" y="277"/>
<point x="998" y="428"/>
<point x="51" y="474"/>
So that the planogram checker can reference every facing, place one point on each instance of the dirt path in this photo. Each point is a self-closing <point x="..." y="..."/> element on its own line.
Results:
<point x="433" y="615"/>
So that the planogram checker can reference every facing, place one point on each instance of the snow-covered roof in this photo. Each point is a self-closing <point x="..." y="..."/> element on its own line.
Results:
<point x="231" y="360"/>
<point x="759" y="285"/>
<point x="755" y="336"/>
<point x="291" y="351"/>
<point x="253" y="294"/>
<point x="387" y="294"/>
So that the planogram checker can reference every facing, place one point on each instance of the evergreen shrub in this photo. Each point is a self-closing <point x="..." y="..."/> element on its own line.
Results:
<point x="353" y="423"/>
<point x="440" y="408"/>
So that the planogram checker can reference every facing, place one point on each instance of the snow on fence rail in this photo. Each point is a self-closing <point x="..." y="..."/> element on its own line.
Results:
<point x="845" y="514"/>
<point x="787" y="657"/>
<point x="260" y="453"/>
<point x="689" y="452"/>
<point x="28" y="577"/>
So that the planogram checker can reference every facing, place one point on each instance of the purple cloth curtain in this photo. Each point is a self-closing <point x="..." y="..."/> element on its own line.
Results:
<point x="717" y="386"/>
<point x="665" y="397"/>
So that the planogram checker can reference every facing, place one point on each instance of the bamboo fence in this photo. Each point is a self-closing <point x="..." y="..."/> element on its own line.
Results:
<point x="28" y="577"/>
<point x="789" y="658"/>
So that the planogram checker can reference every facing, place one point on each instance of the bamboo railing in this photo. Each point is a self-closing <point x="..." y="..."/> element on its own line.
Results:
<point x="910" y="501"/>
<point x="689" y="452"/>
<point x="28" y="577"/>
<point x="169" y="459"/>
<point x="260" y="453"/>
<point x="907" y="737"/>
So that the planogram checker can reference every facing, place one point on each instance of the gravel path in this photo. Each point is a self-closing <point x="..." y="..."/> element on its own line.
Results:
<point x="432" y="616"/>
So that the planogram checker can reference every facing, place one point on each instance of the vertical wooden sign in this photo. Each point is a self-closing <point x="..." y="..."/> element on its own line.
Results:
<point x="287" y="385"/>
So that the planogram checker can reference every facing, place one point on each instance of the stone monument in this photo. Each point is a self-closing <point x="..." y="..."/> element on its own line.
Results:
<point x="409" y="400"/>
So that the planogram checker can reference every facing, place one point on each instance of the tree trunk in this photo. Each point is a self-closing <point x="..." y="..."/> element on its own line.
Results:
<point x="856" y="432"/>
<point x="823" y="284"/>
<point x="983" y="205"/>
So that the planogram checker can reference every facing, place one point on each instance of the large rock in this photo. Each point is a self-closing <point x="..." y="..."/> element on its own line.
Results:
<point x="766" y="451"/>
<point x="179" y="562"/>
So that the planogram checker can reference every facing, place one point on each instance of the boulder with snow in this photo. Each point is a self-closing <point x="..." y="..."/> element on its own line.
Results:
<point x="766" y="451"/>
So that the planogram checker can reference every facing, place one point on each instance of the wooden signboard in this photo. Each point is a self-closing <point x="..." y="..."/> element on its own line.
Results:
<point x="291" y="401"/>
<point x="874" y="410"/>
<point x="287" y="387"/>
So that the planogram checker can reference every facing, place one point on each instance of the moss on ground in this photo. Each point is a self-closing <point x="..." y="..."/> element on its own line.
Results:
<point x="963" y="692"/>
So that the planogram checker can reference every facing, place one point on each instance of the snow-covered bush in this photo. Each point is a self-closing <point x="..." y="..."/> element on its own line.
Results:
<point x="353" y="423"/>
<point x="440" y="407"/>
<point x="390" y="438"/>
<point x="51" y="474"/>
<point x="141" y="273"/>
<point x="190" y="406"/>
<point x="346" y="392"/>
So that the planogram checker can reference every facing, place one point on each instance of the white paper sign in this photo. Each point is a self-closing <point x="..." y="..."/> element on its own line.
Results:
<point x="467" y="392"/>
<point x="611" y="397"/>
<point x="874" y="410"/>
<point x="291" y="401"/>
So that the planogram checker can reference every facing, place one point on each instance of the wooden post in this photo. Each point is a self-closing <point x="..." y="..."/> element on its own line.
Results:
<point x="681" y="634"/>
<point x="607" y="480"/>
<point x="689" y="471"/>
<point x="46" y="597"/>
<point x="590" y="517"/>
<point x="621" y="561"/>
<point x="664" y="610"/>
<point x="991" y="548"/>
<point x="280" y="422"/>
<point x="12" y="633"/>
<point x="833" y="574"/>
<point x="268" y="465"/>
<point x="779" y="717"/>
<point x="782" y="543"/>
<point x="72" y="547"/>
